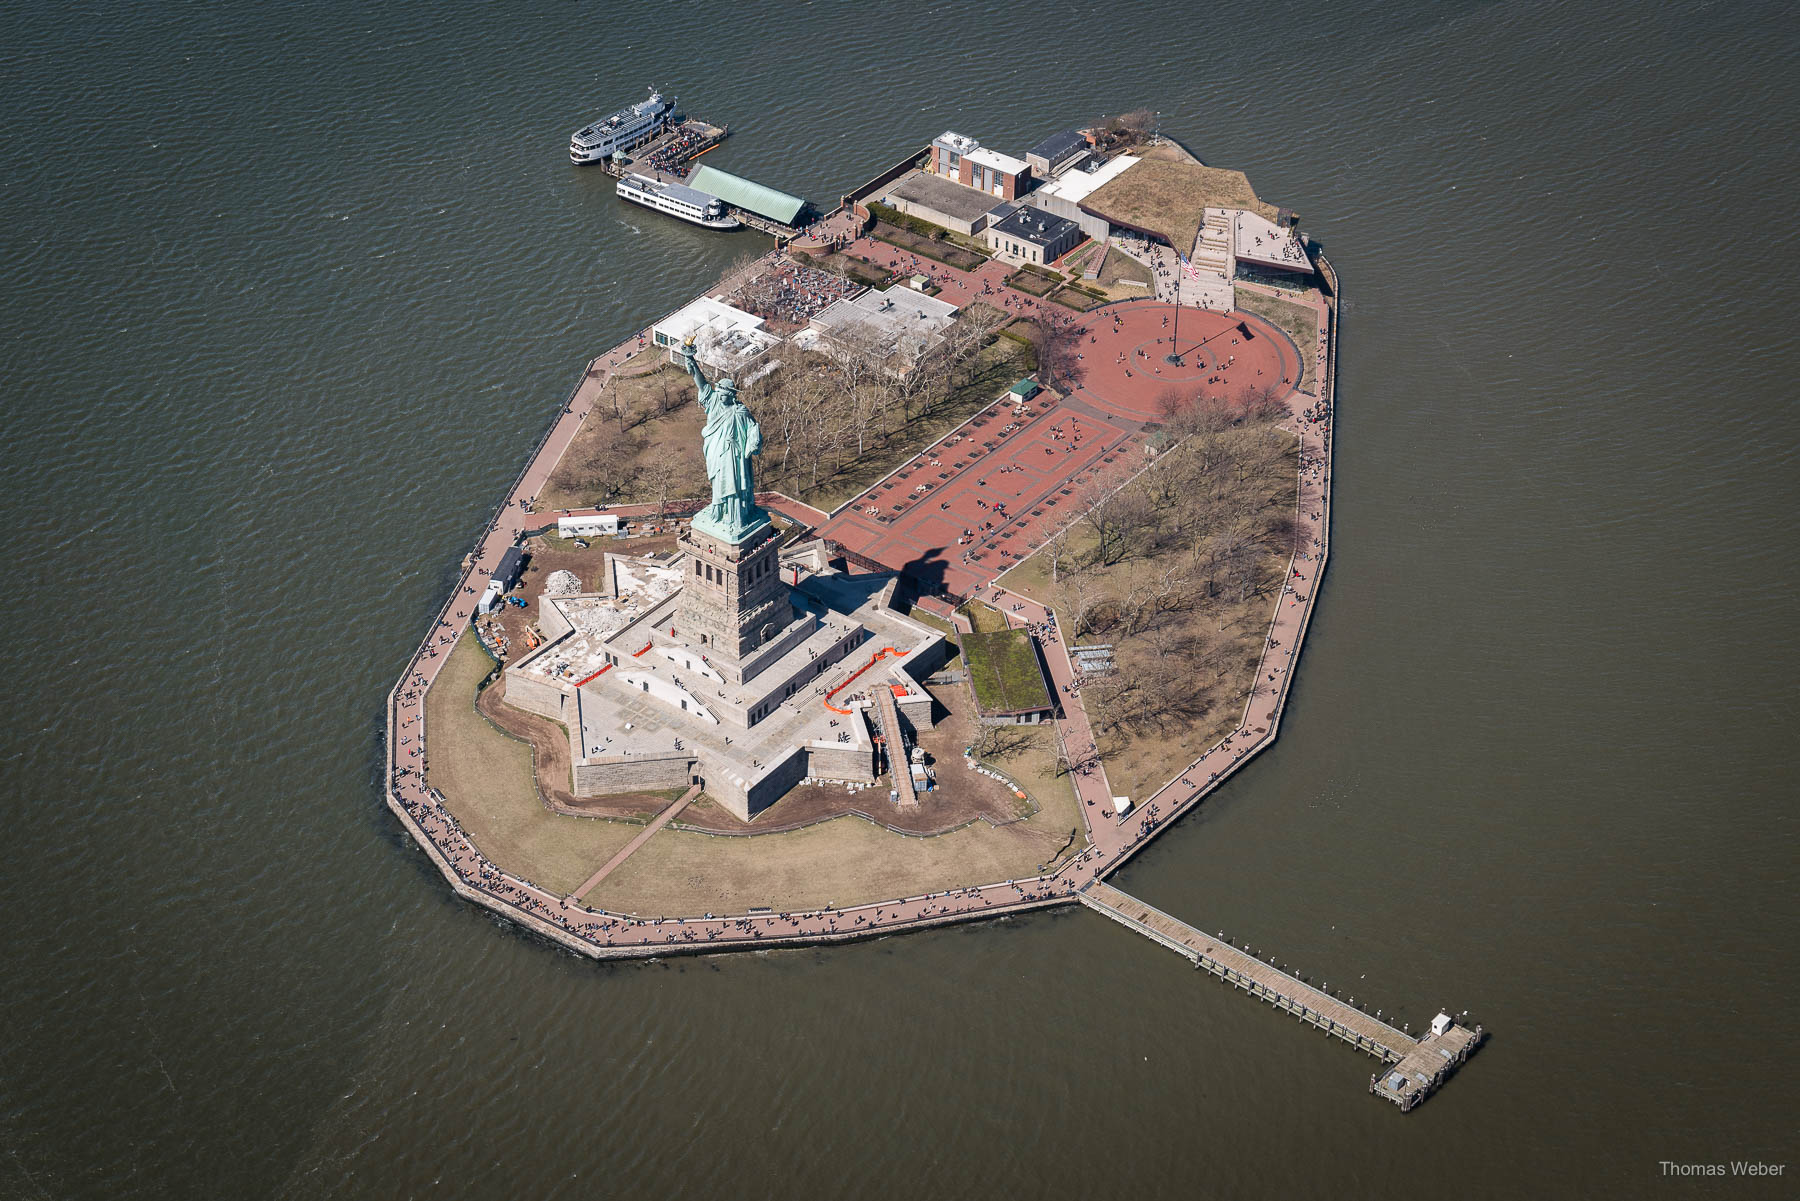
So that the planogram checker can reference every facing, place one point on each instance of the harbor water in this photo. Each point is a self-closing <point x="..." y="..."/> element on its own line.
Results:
<point x="292" y="291"/>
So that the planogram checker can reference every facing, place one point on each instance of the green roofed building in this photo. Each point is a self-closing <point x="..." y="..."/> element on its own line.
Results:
<point x="748" y="195"/>
<point x="1024" y="390"/>
<point x="1007" y="678"/>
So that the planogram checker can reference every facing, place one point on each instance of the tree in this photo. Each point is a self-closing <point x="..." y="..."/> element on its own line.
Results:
<point x="1058" y="346"/>
<point x="1139" y="122"/>
<point x="664" y="472"/>
<point x="608" y="466"/>
<point x="998" y="740"/>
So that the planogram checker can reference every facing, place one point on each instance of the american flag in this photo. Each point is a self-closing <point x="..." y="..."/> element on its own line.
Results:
<point x="1187" y="266"/>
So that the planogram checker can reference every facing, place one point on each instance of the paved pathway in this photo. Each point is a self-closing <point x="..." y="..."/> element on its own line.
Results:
<point x="629" y="849"/>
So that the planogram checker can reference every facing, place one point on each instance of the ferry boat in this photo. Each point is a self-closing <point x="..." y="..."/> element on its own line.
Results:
<point x="677" y="200"/>
<point x="623" y="130"/>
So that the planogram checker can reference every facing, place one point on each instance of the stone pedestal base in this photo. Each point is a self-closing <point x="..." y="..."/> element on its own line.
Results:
<point x="733" y="601"/>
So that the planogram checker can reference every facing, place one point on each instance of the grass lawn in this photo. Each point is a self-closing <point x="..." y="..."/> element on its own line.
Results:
<point x="845" y="861"/>
<point x="985" y="618"/>
<point x="1003" y="666"/>
<point x="1033" y="765"/>
<point x="486" y="780"/>
<point x="1298" y="321"/>
<point x="944" y="250"/>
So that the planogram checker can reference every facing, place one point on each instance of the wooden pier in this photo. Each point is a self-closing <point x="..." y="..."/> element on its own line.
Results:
<point x="1419" y="1065"/>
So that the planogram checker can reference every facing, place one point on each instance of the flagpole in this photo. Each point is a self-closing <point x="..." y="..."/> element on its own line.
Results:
<point x="1174" y="355"/>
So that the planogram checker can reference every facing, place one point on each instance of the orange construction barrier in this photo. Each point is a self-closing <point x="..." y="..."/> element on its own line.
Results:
<point x="875" y="658"/>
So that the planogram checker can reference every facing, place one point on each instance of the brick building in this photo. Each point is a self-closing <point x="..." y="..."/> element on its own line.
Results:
<point x="963" y="159"/>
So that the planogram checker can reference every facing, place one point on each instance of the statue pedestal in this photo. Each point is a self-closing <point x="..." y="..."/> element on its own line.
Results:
<point x="733" y="602"/>
<point x="731" y="535"/>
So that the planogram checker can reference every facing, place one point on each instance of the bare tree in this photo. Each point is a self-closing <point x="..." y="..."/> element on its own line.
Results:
<point x="1058" y="348"/>
<point x="608" y="465"/>
<point x="998" y="740"/>
<point x="663" y="473"/>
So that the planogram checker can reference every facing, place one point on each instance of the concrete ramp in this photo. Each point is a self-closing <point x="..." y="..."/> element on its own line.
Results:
<point x="888" y="714"/>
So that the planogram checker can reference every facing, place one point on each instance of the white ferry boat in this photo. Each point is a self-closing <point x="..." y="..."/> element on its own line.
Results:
<point x="623" y="130"/>
<point x="677" y="200"/>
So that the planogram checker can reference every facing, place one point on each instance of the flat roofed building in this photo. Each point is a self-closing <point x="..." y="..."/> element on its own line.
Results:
<point x="963" y="159"/>
<point x="726" y="339"/>
<point x="1064" y="194"/>
<point x="1031" y="235"/>
<point x="1056" y="153"/>
<point x="940" y="201"/>
<point x="900" y="324"/>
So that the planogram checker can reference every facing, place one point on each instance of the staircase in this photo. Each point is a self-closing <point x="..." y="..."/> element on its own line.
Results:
<point x="1212" y="258"/>
<point x="1097" y="260"/>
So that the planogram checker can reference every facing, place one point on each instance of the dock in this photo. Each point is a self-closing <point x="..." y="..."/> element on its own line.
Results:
<point x="1413" y="1067"/>
<point x="667" y="155"/>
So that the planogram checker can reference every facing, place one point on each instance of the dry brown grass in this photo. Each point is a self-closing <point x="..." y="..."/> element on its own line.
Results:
<point x="606" y="465"/>
<point x="486" y="780"/>
<point x="1169" y="195"/>
<point x="849" y="860"/>
<point x="1298" y="321"/>
<point x="1226" y="632"/>
<point x="845" y="861"/>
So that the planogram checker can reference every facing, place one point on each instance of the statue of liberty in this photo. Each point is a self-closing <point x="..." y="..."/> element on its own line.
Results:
<point x="728" y="442"/>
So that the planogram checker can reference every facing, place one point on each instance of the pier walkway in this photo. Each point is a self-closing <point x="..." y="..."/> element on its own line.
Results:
<point x="1421" y="1064"/>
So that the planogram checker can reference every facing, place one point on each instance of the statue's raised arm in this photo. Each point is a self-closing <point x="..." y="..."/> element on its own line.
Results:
<point x="693" y="369"/>
<point x="728" y="441"/>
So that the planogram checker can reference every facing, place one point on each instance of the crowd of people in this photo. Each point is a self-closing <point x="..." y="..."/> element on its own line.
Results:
<point x="672" y="157"/>
<point x="792" y="295"/>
